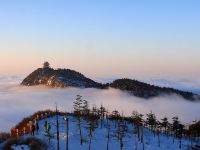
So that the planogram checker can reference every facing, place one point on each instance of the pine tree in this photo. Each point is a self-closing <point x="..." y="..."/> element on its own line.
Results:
<point x="180" y="134"/>
<point x="158" y="129"/>
<point x="115" y="115"/>
<point x="151" y="121"/>
<point x="102" y="114"/>
<point x="85" y="108"/>
<point x="137" y="121"/>
<point x="165" y="124"/>
<point x="175" y="125"/>
<point x="78" y="105"/>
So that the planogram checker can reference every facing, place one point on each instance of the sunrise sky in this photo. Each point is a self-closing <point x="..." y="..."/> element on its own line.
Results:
<point x="101" y="37"/>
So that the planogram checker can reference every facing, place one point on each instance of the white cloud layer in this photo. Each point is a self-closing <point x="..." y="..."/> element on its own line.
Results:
<point x="18" y="101"/>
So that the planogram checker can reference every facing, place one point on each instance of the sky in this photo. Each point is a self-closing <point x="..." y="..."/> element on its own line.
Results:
<point x="102" y="38"/>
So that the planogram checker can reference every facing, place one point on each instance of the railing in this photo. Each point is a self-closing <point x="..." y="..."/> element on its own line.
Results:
<point x="25" y="126"/>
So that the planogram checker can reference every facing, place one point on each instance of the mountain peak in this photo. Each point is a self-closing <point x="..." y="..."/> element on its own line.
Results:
<point x="59" y="78"/>
<point x="70" y="78"/>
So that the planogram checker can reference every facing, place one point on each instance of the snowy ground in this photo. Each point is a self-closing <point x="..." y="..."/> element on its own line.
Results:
<point x="99" y="140"/>
<point x="20" y="147"/>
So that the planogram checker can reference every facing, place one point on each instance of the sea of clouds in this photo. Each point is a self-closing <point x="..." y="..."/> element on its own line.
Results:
<point x="17" y="102"/>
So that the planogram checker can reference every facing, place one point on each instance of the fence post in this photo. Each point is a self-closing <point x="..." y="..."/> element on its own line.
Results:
<point x="17" y="132"/>
<point x="24" y="130"/>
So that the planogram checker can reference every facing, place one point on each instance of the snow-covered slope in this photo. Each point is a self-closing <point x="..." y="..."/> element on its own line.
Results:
<point x="99" y="140"/>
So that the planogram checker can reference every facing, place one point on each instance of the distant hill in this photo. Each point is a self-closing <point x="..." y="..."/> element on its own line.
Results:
<point x="145" y="90"/>
<point x="70" y="78"/>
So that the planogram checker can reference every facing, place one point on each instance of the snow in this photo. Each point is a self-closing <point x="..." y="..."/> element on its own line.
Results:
<point x="20" y="147"/>
<point x="99" y="139"/>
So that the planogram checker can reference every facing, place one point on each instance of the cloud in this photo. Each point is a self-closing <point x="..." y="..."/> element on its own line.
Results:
<point x="181" y="84"/>
<point x="18" y="101"/>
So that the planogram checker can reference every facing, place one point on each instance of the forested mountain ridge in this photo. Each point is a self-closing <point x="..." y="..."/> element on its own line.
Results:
<point x="70" y="78"/>
<point x="145" y="90"/>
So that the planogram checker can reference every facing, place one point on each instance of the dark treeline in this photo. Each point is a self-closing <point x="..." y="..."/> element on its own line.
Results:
<point x="141" y="89"/>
